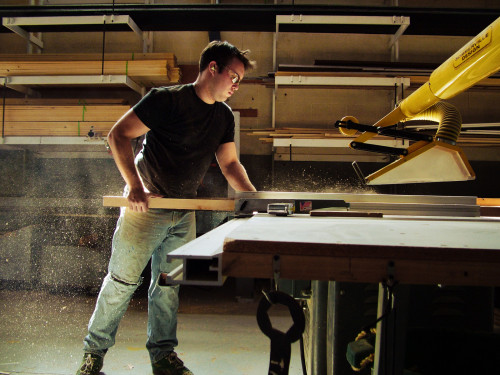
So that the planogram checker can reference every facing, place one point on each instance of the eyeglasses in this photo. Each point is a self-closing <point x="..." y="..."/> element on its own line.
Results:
<point x="235" y="77"/>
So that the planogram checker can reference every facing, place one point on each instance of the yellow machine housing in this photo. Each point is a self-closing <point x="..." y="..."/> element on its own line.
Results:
<point x="440" y="160"/>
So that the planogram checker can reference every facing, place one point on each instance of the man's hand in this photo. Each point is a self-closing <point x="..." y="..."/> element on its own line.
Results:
<point x="138" y="199"/>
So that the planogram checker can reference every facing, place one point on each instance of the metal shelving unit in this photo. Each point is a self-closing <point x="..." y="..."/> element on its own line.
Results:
<point x="18" y="24"/>
<point x="296" y="79"/>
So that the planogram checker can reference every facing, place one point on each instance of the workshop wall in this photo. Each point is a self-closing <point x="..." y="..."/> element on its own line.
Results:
<point x="298" y="107"/>
<point x="294" y="107"/>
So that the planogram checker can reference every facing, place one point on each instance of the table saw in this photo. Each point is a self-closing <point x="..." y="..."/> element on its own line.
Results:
<point x="444" y="236"/>
<point x="355" y="238"/>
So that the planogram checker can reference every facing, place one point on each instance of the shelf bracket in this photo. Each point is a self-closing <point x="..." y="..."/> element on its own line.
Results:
<point x="404" y="22"/>
<point x="10" y="23"/>
<point x="7" y="81"/>
<point x="22" y="83"/>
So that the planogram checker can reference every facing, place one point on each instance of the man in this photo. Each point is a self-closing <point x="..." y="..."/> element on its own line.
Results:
<point x="185" y="126"/>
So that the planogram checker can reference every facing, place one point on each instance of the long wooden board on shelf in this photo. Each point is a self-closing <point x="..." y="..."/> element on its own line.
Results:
<point x="168" y="57"/>
<point x="147" y="69"/>
<point x="414" y="79"/>
<point x="488" y="201"/>
<point x="55" y="67"/>
<point x="63" y="113"/>
<point x="57" y="128"/>
<point x="65" y="101"/>
<point x="267" y="135"/>
<point x="62" y="120"/>
<point x="210" y="204"/>
<point x="89" y="56"/>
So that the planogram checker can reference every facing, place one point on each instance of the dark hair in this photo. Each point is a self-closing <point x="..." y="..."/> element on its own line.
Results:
<point x="222" y="53"/>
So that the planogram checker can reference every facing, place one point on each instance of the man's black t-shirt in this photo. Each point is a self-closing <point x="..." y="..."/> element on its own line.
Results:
<point x="184" y="134"/>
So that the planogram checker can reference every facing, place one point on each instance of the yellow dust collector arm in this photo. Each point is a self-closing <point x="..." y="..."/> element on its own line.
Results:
<point x="476" y="60"/>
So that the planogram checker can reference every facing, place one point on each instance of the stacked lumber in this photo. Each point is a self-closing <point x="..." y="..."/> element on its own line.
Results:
<point x="267" y="135"/>
<point x="416" y="78"/>
<point x="147" y="69"/>
<point x="63" y="101"/>
<point x="44" y="118"/>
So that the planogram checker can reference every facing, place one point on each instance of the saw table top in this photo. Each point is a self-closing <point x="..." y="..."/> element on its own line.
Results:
<point x="459" y="251"/>
<point x="388" y="231"/>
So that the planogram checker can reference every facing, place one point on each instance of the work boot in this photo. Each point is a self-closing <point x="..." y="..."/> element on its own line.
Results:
<point x="91" y="364"/>
<point x="170" y="365"/>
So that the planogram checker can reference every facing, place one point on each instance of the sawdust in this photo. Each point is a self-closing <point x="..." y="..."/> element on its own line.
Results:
<point x="318" y="184"/>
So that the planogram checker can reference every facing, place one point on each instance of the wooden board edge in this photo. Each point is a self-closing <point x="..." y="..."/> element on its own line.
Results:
<point x="202" y="204"/>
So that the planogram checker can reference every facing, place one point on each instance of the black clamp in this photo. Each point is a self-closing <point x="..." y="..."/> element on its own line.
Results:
<point x="280" y="342"/>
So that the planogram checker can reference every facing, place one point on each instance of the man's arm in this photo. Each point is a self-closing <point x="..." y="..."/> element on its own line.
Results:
<point x="232" y="169"/>
<point x="128" y="127"/>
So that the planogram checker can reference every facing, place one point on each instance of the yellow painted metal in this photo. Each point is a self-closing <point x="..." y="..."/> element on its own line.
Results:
<point x="476" y="60"/>
<point x="349" y="132"/>
<point x="433" y="162"/>
<point x="437" y="161"/>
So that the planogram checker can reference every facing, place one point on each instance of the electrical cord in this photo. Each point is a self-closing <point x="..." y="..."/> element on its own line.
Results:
<point x="361" y="351"/>
<point x="387" y="309"/>
<point x="3" y="106"/>
<point x="302" y="356"/>
<point x="302" y="353"/>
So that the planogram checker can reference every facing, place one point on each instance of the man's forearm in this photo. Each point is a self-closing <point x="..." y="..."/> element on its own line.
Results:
<point x="237" y="177"/>
<point x="124" y="159"/>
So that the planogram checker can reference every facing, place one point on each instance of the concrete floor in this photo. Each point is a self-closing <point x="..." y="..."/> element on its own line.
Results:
<point x="41" y="332"/>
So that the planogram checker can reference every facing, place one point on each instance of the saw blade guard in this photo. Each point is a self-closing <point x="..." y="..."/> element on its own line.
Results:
<point x="437" y="161"/>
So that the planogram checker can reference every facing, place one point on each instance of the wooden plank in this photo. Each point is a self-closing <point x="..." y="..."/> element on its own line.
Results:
<point x="189" y="73"/>
<point x="88" y="56"/>
<point x="362" y="270"/>
<point x="63" y="113"/>
<point x="65" y="101"/>
<point x="246" y="112"/>
<point x="333" y="213"/>
<point x="488" y="201"/>
<point x="414" y="79"/>
<point x="209" y="204"/>
<point x="490" y="211"/>
<point x="485" y="82"/>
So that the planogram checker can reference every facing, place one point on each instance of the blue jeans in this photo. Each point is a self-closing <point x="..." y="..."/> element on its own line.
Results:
<point x="139" y="237"/>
